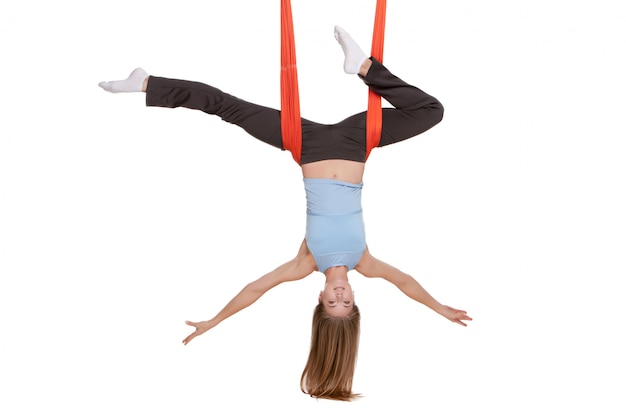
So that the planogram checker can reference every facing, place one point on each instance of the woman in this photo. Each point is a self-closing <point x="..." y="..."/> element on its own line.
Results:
<point x="332" y="162"/>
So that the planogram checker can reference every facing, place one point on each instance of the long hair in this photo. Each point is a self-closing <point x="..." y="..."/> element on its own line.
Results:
<point x="332" y="359"/>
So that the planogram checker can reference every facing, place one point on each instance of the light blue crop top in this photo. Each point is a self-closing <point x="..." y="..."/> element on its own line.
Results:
<point x="335" y="232"/>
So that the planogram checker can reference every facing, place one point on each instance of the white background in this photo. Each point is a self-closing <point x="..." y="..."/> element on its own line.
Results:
<point x="118" y="222"/>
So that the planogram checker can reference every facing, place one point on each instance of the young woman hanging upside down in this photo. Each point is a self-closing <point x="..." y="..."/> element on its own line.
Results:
<point x="332" y="161"/>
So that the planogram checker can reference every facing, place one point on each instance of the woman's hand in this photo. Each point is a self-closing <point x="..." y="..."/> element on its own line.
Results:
<point x="201" y="327"/>
<point x="454" y="315"/>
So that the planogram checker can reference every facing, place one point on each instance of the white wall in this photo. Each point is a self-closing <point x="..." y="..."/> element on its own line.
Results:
<point x="117" y="222"/>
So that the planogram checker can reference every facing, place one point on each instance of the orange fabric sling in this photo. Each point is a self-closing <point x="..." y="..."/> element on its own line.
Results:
<point x="290" y="124"/>
<point x="374" y="105"/>
<point x="291" y="127"/>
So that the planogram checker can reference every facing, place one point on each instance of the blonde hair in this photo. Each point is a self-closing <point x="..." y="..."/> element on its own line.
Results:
<point x="330" y="368"/>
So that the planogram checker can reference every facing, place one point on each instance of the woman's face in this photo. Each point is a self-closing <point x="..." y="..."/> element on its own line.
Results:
<point x="337" y="297"/>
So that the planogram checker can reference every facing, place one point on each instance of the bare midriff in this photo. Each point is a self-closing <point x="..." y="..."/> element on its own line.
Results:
<point x="336" y="169"/>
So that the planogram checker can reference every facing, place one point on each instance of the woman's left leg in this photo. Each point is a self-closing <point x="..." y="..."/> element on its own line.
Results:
<point x="260" y="122"/>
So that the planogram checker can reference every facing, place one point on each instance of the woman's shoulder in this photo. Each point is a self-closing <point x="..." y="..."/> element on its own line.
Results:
<point x="305" y="256"/>
<point x="367" y="264"/>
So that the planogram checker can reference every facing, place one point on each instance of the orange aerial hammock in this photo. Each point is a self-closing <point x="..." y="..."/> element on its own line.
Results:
<point x="291" y="127"/>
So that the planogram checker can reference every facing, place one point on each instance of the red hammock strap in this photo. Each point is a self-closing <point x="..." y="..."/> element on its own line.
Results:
<point x="374" y="105"/>
<point x="291" y="127"/>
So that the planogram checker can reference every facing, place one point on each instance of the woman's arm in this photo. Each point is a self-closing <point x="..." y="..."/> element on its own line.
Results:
<point x="374" y="268"/>
<point x="299" y="267"/>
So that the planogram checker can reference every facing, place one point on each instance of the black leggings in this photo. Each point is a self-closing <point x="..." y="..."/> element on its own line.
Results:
<point x="414" y="112"/>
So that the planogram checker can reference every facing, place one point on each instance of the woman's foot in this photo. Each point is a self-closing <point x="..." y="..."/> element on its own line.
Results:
<point x="133" y="84"/>
<point x="354" y="55"/>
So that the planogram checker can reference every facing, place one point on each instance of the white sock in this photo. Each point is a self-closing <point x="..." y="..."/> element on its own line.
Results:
<point x="353" y="52"/>
<point x="133" y="84"/>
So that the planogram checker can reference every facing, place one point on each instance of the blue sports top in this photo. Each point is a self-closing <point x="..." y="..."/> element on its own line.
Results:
<point x="335" y="232"/>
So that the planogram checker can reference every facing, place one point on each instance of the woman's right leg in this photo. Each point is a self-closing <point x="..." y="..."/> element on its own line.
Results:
<point x="414" y="110"/>
<point x="261" y="122"/>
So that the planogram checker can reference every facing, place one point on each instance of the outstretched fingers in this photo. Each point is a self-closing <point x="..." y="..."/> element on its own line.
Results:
<point x="460" y="316"/>
<point x="456" y="316"/>
<point x="197" y="332"/>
